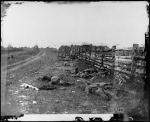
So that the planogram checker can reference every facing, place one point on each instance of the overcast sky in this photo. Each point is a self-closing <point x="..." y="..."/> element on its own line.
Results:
<point x="55" y="24"/>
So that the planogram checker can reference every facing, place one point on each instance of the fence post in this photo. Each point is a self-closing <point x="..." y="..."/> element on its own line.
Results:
<point x="84" y="54"/>
<point x="94" y="55"/>
<point x="77" y="51"/>
<point x="102" y="56"/>
<point x="90" y="52"/>
<point x="113" y="60"/>
<point x="81" y="55"/>
<point x="135" y="47"/>
<point x="58" y="54"/>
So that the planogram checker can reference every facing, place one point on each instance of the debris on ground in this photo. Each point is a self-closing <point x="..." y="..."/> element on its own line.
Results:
<point x="34" y="102"/>
<point x="47" y="87"/>
<point x="76" y="70"/>
<point x="45" y="78"/>
<point x="57" y="101"/>
<point x="101" y="93"/>
<point x="82" y="84"/>
<point x="66" y="64"/>
<point x="103" y="72"/>
<point x="67" y="59"/>
<point x="63" y="83"/>
<point x="10" y="57"/>
<point x="119" y="79"/>
<point x="90" y="70"/>
<point x="63" y="88"/>
<point x="81" y="75"/>
<point x="84" y="75"/>
<point x="55" y="80"/>
<point x="91" y="88"/>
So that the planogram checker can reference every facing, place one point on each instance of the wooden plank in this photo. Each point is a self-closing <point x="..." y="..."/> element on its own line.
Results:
<point x="109" y="64"/>
<point x="98" y="61"/>
<point x="110" y="50"/>
<point x="124" y="75"/>
<point x="99" y="54"/>
<point x="139" y="66"/>
<point x="139" y="58"/>
<point x="108" y="56"/>
<point x="97" y="66"/>
<point x="125" y="60"/>
<point x="123" y="68"/>
<point x="140" y="71"/>
<point x="123" y="63"/>
<point x="135" y="46"/>
<point x="123" y="57"/>
<point x="123" y="71"/>
<point x="99" y="57"/>
<point x="108" y="60"/>
<point x="113" y="60"/>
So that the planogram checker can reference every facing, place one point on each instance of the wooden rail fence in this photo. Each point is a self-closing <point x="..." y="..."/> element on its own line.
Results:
<point x="128" y="62"/>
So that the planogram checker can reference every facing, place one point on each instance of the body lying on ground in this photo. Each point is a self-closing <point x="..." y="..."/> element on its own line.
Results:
<point x="25" y="85"/>
<point x="91" y="72"/>
<point x="103" y="89"/>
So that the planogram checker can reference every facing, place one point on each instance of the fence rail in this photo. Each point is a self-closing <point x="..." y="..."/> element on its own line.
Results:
<point x="127" y="62"/>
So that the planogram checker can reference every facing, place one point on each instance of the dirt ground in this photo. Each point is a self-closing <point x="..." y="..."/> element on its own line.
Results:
<point x="18" y="56"/>
<point x="62" y="100"/>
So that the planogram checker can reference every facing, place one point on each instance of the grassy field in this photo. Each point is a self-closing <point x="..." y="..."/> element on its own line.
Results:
<point x="18" y="56"/>
<point x="3" y="52"/>
<point x="65" y="100"/>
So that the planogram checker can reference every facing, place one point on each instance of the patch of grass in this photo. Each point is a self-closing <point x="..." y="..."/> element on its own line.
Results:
<point x="46" y="78"/>
<point x="22" y="56"/>
<point x="67" y="78"/>
<point x="83" y="65"/>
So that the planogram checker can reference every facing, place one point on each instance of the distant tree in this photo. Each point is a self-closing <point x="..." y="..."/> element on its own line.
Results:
<point x="36" y="47"/>
<point x="9" y="47"/>
<point x="2" y="48"/>
<point x="64" y="49"/>
<point x="86" y="47"/>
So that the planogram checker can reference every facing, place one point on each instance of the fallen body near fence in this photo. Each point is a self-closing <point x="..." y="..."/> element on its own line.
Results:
<point x="91" y="72"/>
<point x="105" y="90"/>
